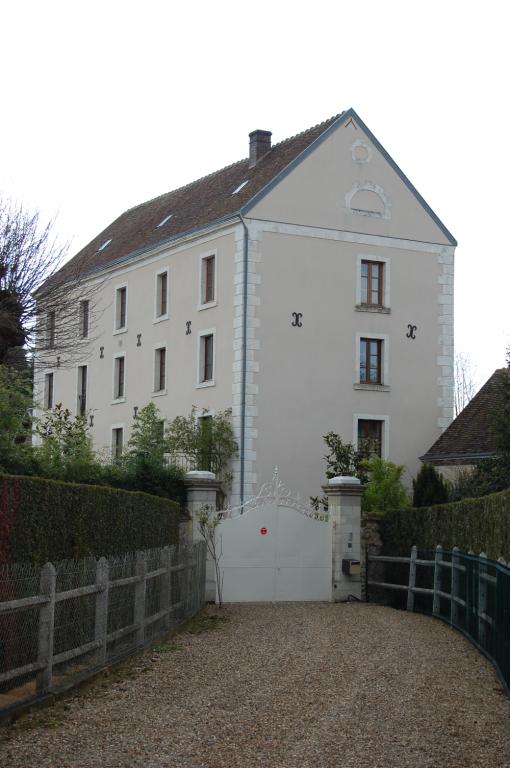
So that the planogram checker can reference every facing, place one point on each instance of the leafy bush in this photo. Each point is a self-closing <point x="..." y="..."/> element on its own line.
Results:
<point x="143" y="467"/>
<point x="429" y="487"/>
<point x="66" y="451"/>
<point x="384" y="490"/>
<point x="207" y="442"/>
<point x="344" y="458"/>
<point x="46" y="520"/>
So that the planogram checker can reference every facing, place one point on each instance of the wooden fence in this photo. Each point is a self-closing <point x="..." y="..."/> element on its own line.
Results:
<point x="470" y="592"/>
<point x="157" y="589"/>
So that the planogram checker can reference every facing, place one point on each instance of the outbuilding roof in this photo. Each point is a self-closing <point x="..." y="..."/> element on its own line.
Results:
<point x="470" y="437"/>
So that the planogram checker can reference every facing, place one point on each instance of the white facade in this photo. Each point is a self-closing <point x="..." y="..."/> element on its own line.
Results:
<point x="287" y="320"/>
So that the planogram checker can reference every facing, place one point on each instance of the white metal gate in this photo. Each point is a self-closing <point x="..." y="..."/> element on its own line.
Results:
<point x="274" y="548"/>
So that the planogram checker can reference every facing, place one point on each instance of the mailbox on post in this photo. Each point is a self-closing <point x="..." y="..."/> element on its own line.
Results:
<point x="350" y="567"/>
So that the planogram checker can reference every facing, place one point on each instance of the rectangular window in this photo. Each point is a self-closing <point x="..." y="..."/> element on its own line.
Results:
<point x="50" y="330"/>
<point x="48" y="390"/>
<point x="117" y="442"/>
<point x="370" y="437"/>
<point x="160" y="369"/>
<point x="82" y="390"/>
<point x="370" y="361"/>
<point x="119" y="376"/>
<point x="84" y="319"/>
<point x="207" y="357"/>
<point x="120" y="308"/>
<point x="372" y="273"/>
<point x="162" y="295"/>
<point x="208" y="280"/>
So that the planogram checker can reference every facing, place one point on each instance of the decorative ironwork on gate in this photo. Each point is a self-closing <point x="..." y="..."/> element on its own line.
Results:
<point x="274" y="492"/>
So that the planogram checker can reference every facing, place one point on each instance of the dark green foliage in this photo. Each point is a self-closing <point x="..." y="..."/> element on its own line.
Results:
<point x="482" y="525"/>
<point x="15" y="419"/>
<point x="429" y="487"/>
<point x="384" y="490"/>
<point x="46" y="520"/>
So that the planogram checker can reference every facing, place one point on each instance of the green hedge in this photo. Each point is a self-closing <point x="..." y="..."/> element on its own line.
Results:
<point x="47" y="520"/>
<point x="482" y="525"/>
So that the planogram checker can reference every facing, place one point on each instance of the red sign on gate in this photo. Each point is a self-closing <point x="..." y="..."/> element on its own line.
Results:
<point x="263" y="531"/>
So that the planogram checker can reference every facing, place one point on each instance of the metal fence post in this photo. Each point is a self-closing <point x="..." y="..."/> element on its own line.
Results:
<point x="140" y="592"/>
<point x="47" y="586"/>
<point x="412" y="578"/>
<point x="455" y="590"/>
<point x="101" y="617"/>
<point x="482" y="599"/>
<point x="436" y="601"/>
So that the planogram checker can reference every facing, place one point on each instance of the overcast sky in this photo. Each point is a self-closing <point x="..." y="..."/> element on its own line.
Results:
<point x="106" y="105"/>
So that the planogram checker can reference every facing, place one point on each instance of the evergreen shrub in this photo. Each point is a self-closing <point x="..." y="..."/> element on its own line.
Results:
<point x="47" y="520"/>
<point x="481" y="525"/>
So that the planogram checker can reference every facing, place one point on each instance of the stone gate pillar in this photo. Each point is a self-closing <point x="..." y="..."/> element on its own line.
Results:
<point x="201" y="490"/>
<point x="344" y="500"/>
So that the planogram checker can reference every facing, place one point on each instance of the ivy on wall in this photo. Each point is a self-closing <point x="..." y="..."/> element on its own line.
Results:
<point x="46" y="520"/>
<point x="480" y="525"/>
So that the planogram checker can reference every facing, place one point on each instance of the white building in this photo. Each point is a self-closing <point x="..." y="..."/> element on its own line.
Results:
<point x="309" y="288"/>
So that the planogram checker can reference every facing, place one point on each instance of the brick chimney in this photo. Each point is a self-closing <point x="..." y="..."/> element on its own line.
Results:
<point x="260" y="144"/>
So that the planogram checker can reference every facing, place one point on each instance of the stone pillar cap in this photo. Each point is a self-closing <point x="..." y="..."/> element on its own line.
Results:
<point x="344" y="480"/>
<point x="199" y="475"/>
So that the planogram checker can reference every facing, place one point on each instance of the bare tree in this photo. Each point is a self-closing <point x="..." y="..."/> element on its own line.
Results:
<point x="41" y="302"/>
<point x="464" y="375"/>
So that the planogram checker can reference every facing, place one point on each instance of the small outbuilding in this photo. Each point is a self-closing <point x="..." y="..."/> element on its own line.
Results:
<point x="470" y="437"/>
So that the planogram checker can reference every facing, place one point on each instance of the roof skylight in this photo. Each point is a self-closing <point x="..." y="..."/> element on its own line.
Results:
<point x="239" y="188"/>
<point x="167" y="218"/>
<point x="104" y="245"/>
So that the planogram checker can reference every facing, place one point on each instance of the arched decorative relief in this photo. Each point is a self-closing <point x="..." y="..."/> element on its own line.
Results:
<point x="368" y="199"/>
<point x="361" y="152"/>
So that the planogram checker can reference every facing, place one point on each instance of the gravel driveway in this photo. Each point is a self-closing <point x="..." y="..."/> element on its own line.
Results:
<point x="287" y="686"/>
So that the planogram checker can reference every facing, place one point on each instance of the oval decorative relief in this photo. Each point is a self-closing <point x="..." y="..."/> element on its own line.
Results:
<point x="361" y="152"/>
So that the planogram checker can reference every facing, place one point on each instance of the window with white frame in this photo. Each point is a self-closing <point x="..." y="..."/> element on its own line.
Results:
<point x="48" y="390"/>
<point x="82" y="390"/>
<point x="373" y="283"/>
<point x="206" y="358"/>
<point x="207" y="279"/>
<point x="119" y="377"/>
<point x="121" y="308"/>
<point x="160" y="369"/>
<point x="161" y="312"/>
<point x="117" y="442"/>
<point x="372" y="361"/>
<point x="84" y="319"/>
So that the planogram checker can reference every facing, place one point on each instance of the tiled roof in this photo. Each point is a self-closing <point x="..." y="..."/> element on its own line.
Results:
<point x="470" y="435"/>
<point x="192" y="207"/>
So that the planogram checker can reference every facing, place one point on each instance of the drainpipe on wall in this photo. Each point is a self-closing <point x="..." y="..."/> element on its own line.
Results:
<point x="243" y="357"/>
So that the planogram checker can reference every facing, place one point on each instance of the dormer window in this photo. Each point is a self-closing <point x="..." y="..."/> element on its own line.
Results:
<point x="240" y="187"/>
<point x="162" y="223"/>
<point x="104" y="245"/>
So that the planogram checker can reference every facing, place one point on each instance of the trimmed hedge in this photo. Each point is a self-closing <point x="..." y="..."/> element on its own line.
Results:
<point x="47" y="520"/>
<point x="482" y="525"/>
